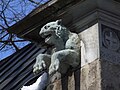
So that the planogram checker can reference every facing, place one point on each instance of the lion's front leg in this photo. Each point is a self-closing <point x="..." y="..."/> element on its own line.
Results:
<point x="42" y="62"/>
<point x="61" y="60"/>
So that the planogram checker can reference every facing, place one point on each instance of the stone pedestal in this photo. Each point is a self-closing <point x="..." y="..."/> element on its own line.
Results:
<point x="97" y="23"/>
<point x="100" y="61"/>
<point x="110" y="55"/>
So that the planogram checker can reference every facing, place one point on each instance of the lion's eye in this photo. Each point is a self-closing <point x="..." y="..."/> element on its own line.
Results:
<point x="46" y="27"/>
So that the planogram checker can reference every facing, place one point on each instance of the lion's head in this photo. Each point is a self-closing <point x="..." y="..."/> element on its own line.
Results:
<point x="53" y="31"/>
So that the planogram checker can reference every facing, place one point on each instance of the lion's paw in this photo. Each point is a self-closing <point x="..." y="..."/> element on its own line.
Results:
<point x="54" y="67"/>
<point x="38" y="67"/>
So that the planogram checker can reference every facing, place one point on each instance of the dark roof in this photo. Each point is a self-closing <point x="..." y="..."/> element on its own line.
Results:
<point x="16" y="70"/>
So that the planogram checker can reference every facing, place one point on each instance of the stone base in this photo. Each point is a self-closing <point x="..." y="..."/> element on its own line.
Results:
<point x="110" y="76"/>
<point x="67" y="82"/>
<point x="90" y="76"/>
<point x="97" y="75"/>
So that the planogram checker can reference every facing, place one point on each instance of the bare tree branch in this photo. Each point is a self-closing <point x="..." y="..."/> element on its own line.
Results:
<point x="3" y="46"/>
<point x="3" y="37"/>
<point x="12" y="41"/>
<point x="12" y="11"/>
<point x="4" y="8"/>
<point x="32" y="1"/>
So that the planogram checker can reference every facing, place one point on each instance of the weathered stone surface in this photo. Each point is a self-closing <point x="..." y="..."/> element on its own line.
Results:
<point x="100" y="64"/>
<point x="90" y="76"/>
<point x="89" y="79"/>
<point x="89" y="44"/>
<point x="97" y="75"/>
<point x="55" y="86"/>
<point x="110" y="44"/>
<point x="110" y="56"/>
<point x="110" y="76"/>
<point x="67" y="82"/>
<point x="65" y="52"/>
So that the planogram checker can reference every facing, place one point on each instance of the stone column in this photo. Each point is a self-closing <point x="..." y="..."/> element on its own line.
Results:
<point x="99" y="31"/>
<point x="100" y="56"/>
<point x="100" y="61"/>
<point x="110" y="56"/>
<point x="87" y="76"/>
<point x="90" y="59"/>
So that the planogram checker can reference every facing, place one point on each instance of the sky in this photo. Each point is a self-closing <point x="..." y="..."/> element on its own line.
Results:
<point x="18" y="6"/>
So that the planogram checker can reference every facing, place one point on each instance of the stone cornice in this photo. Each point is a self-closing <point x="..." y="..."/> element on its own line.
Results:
<point x="74" y="13"/>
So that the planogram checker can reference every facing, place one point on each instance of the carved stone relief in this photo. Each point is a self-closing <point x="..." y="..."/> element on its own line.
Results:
<point x="110" y="47"/>
<point x="110" y="39"/>
<point x="64" y="54"/>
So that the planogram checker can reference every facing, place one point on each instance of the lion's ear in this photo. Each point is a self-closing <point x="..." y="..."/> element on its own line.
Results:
<point x="59" y="22"/>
